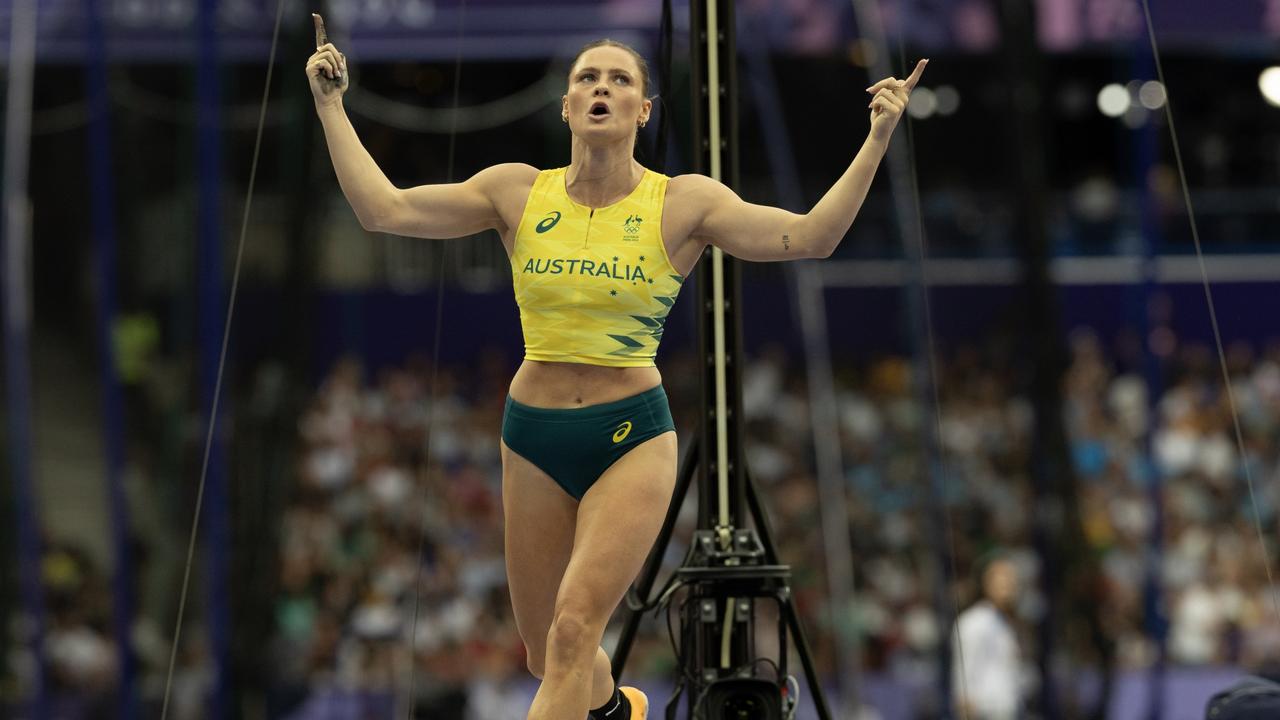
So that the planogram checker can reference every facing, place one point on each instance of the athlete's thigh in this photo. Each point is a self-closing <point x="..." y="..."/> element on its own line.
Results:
<point x="539" y="518"/>
<point x="618" y="521"/>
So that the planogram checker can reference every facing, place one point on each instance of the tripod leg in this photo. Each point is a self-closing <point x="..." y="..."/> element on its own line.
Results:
<point x="806" y="659"/>
<point x="644" y="584"/>
<point x="797" y="632"/>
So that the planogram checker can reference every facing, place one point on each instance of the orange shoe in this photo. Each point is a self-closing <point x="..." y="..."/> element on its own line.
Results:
<point x="639" y="703"/>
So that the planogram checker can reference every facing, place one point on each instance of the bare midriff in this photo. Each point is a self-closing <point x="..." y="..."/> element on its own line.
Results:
<point x="575" y="385"/>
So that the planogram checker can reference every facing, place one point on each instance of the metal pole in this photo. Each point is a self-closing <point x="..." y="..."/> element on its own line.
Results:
<point x="1070" y="576"/>
<point x="212" y="304"/>
<point x="1155" y="621"/>
<point x="17" y="326"/>
<point x="104" y="231"/>
<point x="717" y="259"/>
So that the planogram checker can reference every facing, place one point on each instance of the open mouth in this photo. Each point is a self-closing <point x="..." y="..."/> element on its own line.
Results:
<point x="599" y="110"/>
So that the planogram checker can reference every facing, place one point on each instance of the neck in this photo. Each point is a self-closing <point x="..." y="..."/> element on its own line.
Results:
<point x="601" y="174"/>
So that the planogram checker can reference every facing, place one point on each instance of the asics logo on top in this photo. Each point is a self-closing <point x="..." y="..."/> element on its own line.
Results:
<point x="548" y="222"/>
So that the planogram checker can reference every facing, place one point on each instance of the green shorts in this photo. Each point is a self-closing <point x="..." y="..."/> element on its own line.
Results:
<point x="576" y="446"/>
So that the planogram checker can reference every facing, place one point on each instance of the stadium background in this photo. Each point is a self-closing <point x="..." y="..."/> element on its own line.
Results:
<point x="1136" y="533"/>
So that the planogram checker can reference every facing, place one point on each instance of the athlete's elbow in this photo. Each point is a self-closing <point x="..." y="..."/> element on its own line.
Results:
<point x="371" y="222"/>
<point x="377" y="216"/>
<point x="823" y="248"/>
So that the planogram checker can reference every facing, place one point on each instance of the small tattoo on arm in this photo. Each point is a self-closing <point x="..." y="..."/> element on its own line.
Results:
<point x="786" y="242"/>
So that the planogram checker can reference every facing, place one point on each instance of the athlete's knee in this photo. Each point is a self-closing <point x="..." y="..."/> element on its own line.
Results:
<point x="575" y="629"/>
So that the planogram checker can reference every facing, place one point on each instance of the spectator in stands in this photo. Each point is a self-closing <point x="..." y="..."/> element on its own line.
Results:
<point x="987" y="661"/>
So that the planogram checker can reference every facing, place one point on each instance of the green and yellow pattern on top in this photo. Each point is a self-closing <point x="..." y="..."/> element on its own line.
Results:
<point x="593" y="286"/>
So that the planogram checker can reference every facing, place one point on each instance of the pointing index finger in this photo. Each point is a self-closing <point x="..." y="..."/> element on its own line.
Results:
<point x="321" y="36"/>
<point x="915" y="74"/>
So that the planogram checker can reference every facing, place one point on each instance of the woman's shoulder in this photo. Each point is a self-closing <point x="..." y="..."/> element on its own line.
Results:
<point x="506" y="184"/>
<point x="693" y="185"/>
<point x="696" y="194"/>
<point x="508" y="173"/>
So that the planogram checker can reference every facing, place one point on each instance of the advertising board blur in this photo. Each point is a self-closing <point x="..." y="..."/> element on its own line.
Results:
<point x="165" y="30"/>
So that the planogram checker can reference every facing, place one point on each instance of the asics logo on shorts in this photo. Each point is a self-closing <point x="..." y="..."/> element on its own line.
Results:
<point x="622" y="432"/>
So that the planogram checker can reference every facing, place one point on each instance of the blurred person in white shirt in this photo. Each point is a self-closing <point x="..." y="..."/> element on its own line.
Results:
<point x="986" y="662"/>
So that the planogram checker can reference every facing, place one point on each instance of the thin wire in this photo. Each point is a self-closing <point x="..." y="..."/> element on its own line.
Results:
<point x="1213" y="314"/>
<point x="932" y="356"/>
<point x="435" y="372"/>
<point x="937" y="399"/>
<point x="871" y="23"/>
<point x="222" y="361"/>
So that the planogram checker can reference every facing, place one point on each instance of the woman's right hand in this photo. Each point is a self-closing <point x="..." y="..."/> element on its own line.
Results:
<point x="326" y="69"/>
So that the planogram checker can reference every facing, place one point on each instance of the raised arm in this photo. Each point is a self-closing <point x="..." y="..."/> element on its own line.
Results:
<point x="430" y="211"/>
<point x="761" y="233"/>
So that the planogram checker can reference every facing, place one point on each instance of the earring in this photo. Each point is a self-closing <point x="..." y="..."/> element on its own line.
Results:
<point x="564" y="118"/>
<point x="643" y="123"/>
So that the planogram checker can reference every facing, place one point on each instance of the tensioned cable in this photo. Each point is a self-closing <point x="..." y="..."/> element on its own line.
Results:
<point x="222" y="360"/>
<point x="932" y="358"/>
<point x="226" y="335"/>
<point x="435" y="375"/>
<point x="871" y="23"/>
<point x="1213" y="314"/>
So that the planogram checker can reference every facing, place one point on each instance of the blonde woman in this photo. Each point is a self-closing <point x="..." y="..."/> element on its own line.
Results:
<point x="599" y="249"/>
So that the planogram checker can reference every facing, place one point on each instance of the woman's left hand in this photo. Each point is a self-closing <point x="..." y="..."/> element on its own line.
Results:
<point x="889" y="99"/>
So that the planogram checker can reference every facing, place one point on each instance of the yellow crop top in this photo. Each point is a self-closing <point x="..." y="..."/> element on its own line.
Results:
<point x="593" y="286"/>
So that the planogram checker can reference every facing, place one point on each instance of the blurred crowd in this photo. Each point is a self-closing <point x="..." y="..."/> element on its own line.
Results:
<point x="372" y="471"/>
<point x="1215" y="506"/>
<point x="386" y="478"/>
<point x="392" y="581"/>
